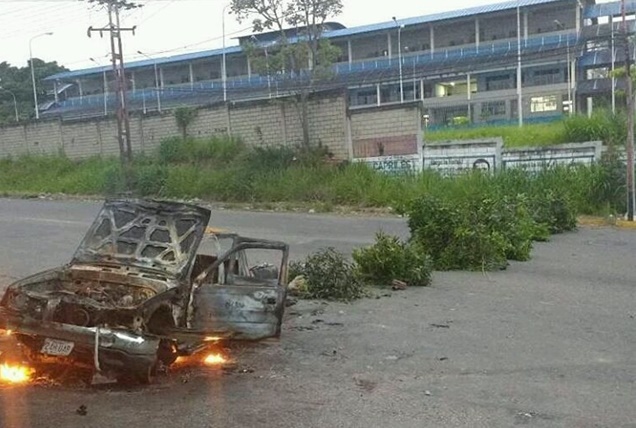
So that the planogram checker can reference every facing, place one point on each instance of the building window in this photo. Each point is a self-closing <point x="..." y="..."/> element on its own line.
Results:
<point x="543" y="104"/>
<point x="361" y="97"/>
<point x="498" y="83"/>
<point x="547" y="77"/>
<point x="494" y="108"/>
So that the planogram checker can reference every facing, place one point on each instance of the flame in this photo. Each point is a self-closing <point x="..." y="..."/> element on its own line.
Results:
<point x="214" y="359"/>
<point x="212" y="339"/>
<point x="15" y="374"/>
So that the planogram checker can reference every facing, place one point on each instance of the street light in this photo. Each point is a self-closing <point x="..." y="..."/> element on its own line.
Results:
<point x="560" y="26"/>
<point x="269" y="82"/>
<point x="519" y="71"/>
<point x="224" y="76"/>
<point x="15" y="103"/>
<point x="400" y="27"/>
<point x="105" y="87"/>
<point x="156" y="80"/>
<point x="35" y="92"/>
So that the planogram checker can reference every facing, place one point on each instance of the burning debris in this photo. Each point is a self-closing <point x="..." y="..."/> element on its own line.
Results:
<point x="140" y="294"/>
<point x="215" y="360"/>
<point x="15" y="374"/>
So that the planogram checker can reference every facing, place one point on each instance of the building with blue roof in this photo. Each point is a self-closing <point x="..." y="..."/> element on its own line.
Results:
<point x="461" y="65"/>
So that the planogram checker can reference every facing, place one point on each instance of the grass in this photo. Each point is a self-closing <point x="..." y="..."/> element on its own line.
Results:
<point x="530" y="135"/>
<point x="225" y="171"/>
<point x="602" y="126"/>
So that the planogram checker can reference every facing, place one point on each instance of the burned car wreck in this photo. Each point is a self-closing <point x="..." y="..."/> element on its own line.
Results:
<point x="141" y="291"/>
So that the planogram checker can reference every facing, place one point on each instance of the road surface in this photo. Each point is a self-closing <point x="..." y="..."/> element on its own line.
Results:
<point x="547" y="343"/>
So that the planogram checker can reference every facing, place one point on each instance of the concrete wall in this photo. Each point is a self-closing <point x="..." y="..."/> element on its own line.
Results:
<point x="256" y="123"/>
<point x="455" y="157"/>
<point x="407" y="164"/>
<point x="537" y="158"/>
<point x="391" y="130"/>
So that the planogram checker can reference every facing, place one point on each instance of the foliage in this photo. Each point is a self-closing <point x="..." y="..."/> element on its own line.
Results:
<point x="217" y="150"/>
<point x="300" y="50"/>
<point x="329" y="276"/>
<point x="478" y="222"/>
<point x="119" y="4"/>
<point x="456" y="236"/>
<point x="223" y="169"/>
<point x="390" y="258"/>
<point x="513" y="136"/>
<point x="17" y="81"/>
<point x="184" y="117"/>
<point x="602" y="126"/>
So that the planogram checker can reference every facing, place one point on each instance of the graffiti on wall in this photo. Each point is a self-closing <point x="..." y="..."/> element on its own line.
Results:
<point x="535" y="159"/>
<point x="406" y="164"/>
<point x="454" y="158"/>
<point x="457" y="157"/>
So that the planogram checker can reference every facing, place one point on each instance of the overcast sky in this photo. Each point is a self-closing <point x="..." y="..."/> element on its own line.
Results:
<point x="164" y="27"/>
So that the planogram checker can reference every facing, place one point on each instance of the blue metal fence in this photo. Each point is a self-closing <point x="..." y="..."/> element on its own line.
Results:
<point x="343" y="74"/>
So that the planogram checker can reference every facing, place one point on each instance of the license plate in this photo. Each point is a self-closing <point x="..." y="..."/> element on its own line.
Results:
<point x="58" y="348"/>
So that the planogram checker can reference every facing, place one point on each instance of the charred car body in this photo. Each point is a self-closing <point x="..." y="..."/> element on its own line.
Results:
<point x="140" y="291"/>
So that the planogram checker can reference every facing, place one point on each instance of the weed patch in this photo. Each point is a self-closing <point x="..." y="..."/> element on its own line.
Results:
<point x="390" y="258"/>
<point x="328" y="275"/>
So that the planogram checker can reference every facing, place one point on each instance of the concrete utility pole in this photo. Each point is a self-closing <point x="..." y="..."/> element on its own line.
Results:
<point x="119" y="71"/>
<point x="630" y="119"/>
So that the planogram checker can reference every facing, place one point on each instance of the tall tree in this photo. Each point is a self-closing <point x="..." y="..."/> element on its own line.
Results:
<point x="301" y="52"/>
<point x="17" y="81"/>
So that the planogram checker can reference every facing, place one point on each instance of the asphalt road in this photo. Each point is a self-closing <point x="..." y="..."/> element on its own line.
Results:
<point x="547" y="343"/>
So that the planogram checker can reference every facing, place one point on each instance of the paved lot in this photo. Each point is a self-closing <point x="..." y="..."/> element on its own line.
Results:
<point x="547" y="343"/>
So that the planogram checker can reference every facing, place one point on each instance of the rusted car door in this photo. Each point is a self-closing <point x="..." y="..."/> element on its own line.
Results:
<point x="238" y="297"/>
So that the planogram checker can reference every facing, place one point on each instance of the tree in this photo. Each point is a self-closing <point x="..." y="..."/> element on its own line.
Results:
<point x="307" y="56"/>
<point x="184" y="117"/>
<point x="118" y="4"/>
<point x="17" y="81"/>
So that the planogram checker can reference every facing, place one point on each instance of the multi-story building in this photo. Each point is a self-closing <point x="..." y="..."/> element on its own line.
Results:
<point x="544" y="58"/>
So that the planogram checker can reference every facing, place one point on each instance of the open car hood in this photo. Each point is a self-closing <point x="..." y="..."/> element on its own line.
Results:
<point x="151" y="235"/>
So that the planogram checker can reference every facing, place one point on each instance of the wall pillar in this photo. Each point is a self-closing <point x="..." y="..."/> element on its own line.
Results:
<point x="477" y="32"/>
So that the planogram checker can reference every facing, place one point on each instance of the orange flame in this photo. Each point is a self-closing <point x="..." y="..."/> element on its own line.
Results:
<point x="15" y="374"/>
<point x="215" y="359"/>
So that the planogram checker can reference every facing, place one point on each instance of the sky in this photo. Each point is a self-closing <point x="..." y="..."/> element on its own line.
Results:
<point x="164" y="27"/>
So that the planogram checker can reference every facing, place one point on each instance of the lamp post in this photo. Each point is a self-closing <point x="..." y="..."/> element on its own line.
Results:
<point x="519" y="78"/>
<point x="15" y="103"/>
<point x="400" y="27"/>
<point x="157" y="89"/>
<point x="35" y="92"/>
<point x="560" y="26"/>
<point x="105" y="87"/>
<point x="224" y="76"/>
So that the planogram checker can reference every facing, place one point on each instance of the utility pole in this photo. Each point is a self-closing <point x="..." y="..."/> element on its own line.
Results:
<point x="119" y="71"/>
<point x="519" y="77"/>
<point x="630" y="119"/>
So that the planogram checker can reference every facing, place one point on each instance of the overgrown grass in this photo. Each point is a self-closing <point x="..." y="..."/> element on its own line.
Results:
<point x="602" y="126"/>
<point x="513" y="136"/>
<point x="225" y="170"/>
